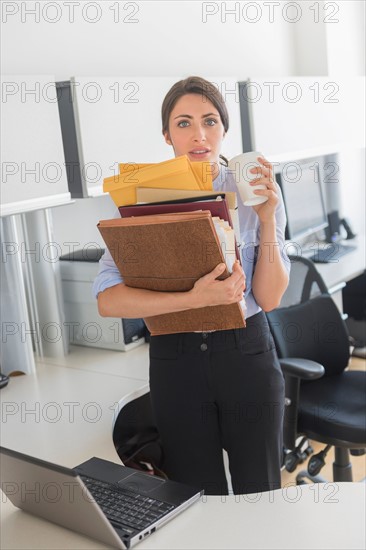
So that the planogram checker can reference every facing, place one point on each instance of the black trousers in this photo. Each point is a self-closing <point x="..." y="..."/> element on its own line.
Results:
<point x="214" y="391"/>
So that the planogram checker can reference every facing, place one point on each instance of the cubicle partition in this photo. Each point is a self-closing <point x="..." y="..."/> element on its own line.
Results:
<point x="295" y="117"/>
<point x="33" y="180"/>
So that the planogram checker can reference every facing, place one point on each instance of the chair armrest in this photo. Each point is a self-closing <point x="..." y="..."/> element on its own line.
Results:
<point x="305" y="369"/>
<point x="295" y="369"/>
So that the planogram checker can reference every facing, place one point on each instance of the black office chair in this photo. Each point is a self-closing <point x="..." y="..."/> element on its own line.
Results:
<point x="4" y="380"/>
<point x="325" y="401"/>
<point x="135" y="435"/>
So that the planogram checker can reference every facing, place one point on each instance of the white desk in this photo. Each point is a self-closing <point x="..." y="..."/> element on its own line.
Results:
<point x="327" y="516"/>
<point x="338" y="272"/>
<point x="63" y="413"/>
<point x="347" y="267"/>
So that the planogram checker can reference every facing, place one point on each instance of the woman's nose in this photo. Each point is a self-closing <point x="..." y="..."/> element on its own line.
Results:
<point x="199" y="134"/>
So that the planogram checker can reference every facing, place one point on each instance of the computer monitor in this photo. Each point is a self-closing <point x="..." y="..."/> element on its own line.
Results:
<point x="303" y="197"/>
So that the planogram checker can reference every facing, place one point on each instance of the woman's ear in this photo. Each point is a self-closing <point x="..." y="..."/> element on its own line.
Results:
<point x="167" y="138"/>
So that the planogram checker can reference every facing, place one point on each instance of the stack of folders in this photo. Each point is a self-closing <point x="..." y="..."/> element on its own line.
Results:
<point x="183" y="232"/>
<point x="168" y="251"/>
<point x="218" y="205"/>
<point x="159" y="196"/>
<point x="176" y="173"/>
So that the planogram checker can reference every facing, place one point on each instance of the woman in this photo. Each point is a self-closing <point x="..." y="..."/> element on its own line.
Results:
<point x="222" y="389"/>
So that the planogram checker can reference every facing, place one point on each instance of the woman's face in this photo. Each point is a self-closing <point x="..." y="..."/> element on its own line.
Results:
<point x="196" y="130"/>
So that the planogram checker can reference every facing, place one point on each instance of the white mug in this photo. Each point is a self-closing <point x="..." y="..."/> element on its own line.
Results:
<point x="241" y="166"/>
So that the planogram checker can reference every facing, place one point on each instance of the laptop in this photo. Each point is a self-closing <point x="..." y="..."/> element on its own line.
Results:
<point x="114" y="504"/>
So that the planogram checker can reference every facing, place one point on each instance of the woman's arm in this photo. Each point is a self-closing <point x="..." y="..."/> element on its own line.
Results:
<point x="123" y="301"/>
<point x="270" y="277"/>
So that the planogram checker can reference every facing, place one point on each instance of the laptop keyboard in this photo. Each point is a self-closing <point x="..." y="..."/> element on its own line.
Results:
<point x="131" y="511"/>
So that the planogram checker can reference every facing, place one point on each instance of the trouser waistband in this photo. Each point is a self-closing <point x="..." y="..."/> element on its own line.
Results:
<point x="253" y="338"/>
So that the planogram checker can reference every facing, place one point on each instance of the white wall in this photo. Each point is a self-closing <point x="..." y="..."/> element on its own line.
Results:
<point x="169" y="38"/>
<point x="309" y="39"/>
<point x="346" y="40"/>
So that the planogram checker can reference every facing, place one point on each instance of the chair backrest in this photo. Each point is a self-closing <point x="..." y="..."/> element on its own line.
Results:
<point x="305" y="282"/>
<point x="312" y="330"/>
<point x="135" y="435"/>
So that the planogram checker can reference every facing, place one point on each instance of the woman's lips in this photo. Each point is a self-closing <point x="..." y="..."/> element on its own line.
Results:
<point x="200" y="153"/>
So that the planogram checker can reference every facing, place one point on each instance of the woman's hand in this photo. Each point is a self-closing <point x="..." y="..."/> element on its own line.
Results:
<point x="266" y="210"/>
<point x="208" y="291"/>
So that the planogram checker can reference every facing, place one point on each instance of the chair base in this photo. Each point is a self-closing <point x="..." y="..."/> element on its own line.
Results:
<point x="342" y="469"/>
<point x="304" y="474"/>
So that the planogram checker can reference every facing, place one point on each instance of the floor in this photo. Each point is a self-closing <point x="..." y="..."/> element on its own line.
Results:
<point x="70" y="402"/>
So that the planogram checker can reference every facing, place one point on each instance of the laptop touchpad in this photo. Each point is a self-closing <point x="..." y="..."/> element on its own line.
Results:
<point x="140" y="482"/>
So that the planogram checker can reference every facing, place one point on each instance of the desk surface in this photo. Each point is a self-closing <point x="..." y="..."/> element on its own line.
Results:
<point x="347" y="267"/>
<point x="321" y="516"/>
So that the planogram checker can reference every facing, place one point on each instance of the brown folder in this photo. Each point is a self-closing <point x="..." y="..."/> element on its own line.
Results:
<point x="216" y="207"/>
<point x="168" y="253"/>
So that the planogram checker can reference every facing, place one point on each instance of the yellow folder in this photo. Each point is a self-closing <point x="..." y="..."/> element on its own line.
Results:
<point x="141" y="173"/>
<point x="200" y="170"/>
<point x="177" y="173"/>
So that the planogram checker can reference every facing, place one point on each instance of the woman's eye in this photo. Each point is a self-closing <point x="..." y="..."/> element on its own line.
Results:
<point x="211" y="121"/>
<point x="183" y="124"/>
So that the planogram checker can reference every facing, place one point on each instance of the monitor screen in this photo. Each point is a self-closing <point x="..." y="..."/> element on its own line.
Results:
<point x="303" y="198"/>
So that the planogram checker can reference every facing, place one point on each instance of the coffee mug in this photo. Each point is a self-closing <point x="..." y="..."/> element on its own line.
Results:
<point x="241" y="166"/>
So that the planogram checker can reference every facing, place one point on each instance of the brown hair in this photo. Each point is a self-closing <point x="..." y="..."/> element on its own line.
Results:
<point x="194" y="85"/>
